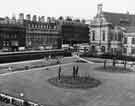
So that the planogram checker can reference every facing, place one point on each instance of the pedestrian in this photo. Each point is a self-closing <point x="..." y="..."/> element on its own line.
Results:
<point x="59" y="73"/>
<point x="77" y="68"/>
<point x="9" y="68"/>
<point x="104" y="63"/>
<point x="74" y="71"/>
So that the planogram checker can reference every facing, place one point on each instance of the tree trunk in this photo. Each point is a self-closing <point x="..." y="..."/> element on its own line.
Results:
<point x="114" y="63"/>
<point x="125" y="63"/>
<point x="104" y="64"/>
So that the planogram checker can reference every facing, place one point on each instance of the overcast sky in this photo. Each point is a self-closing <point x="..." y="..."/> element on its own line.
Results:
<point x="76" y="8"/>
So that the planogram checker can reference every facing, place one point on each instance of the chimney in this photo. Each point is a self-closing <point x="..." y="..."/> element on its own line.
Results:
<point x="99" y="9"/>
<point x="49" y="19"/>
<point x="128" y="13"/>
<point x="21" y="16"/>
<point x="14" y="18"/>
<point x="34" y="18"/>
<point x="28" y="17"/>
<point x="7" y="19"/>
<point x="39" y="19"/>
<point x="42" y="19"/>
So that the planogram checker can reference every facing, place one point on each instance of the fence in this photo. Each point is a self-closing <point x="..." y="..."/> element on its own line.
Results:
<point x="16" y="101"/>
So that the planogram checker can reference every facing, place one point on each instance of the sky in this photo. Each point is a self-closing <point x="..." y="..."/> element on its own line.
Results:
<point x="76" y="8"/>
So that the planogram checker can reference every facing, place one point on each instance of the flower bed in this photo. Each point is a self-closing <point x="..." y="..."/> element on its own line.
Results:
<point x="70" y="82"/>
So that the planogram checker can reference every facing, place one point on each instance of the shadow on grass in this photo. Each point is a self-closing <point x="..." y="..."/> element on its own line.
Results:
<point x="112" y="69"/>
<point x="94" y="60"/>
<point x="80" y="61"/>
<point x="78" y="83"/>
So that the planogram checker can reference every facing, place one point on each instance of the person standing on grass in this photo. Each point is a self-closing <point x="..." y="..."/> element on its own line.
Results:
<point x="77" y="68"/>
<point x="9" y="68"/>
<point x="59" y="73"/>
<point x="105" y="63"/>
<point x="74" y="71"/>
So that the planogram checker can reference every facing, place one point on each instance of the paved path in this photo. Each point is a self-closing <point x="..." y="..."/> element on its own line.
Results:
<point x="115" y="90"/>
<point x="90" y="62"/>
<point x="10" y="73"/>
<point x="22" y="62"/>
<point x="28" y="61"/>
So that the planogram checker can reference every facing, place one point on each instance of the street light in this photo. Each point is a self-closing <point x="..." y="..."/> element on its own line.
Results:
<point x="21" y="94"/>
<point x="25" y="102"/>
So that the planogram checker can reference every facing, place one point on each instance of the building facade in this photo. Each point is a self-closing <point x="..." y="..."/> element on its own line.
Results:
<point x="12" y="34"/>
<point x="107" y="29"/>
<point x="37" y="33"/>
<point x="73" y="31"/>
<point x="41" y="34"/>
<point x="129" y="41"/>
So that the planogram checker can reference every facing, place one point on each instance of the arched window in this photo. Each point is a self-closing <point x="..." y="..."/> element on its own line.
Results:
<point x="133" y="40"/>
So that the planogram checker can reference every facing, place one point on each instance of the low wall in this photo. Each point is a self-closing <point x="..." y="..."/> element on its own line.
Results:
<point x="21" y="56"/>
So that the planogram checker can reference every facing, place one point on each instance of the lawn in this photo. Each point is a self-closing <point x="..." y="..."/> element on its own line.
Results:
<point x="19" y="66"/>
<point x="115" y="90"/>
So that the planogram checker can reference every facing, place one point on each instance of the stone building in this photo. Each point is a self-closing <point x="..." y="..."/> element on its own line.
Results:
<point x="12" y="34"/>
<point x="40" y="34"/>
<point x="106" y="30"/>
<point x="73" y="31"/>
<point x="129" y="41"/>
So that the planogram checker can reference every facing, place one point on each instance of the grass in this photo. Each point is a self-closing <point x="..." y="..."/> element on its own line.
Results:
<point x="78" y="83"/>
<point x="115" y="90"/>
<point x="24" y="66"/>
<point x="112" y="69"/>
<point x="80" y="61"/>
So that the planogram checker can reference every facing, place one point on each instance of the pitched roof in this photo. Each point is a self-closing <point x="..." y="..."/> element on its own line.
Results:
<point x="1" y="18"/>
<point x="119" y="18"/>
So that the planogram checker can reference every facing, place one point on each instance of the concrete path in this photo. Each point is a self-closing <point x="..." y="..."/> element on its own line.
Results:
<point x="10" y="73"/>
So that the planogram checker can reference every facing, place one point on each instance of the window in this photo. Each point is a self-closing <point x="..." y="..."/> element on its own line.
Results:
<point x="4" y="43"/>
<point x="15" y="36"/>
<point x="120" y="34"/>
<point x="133" y="40"/>
<point x="103" y="49"/>
<point x="115" y="36"/>
<point x="124" y="50"/>
<point x="133" y="50"/>
<point x="103" y="35"/>
<point x="93" y="35"/>
<point x="125" y="40"/>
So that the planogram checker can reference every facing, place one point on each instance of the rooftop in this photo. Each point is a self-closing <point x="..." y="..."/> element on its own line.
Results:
<point x="119" y="18"/>
<point x="131" y="29"/>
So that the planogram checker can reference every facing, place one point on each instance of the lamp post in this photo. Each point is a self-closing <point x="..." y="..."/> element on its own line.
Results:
<point x="21" y="94"/>
<point x="25" y="102"/>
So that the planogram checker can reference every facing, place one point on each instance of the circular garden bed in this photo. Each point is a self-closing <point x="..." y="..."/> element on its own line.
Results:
<point x="70" y="82"/>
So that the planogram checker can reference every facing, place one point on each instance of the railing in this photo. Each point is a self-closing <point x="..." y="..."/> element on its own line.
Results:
<point x="16" y="101"/>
